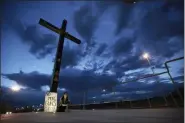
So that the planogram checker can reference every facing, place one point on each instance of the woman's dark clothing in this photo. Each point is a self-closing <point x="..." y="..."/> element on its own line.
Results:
<point x="63" y="101"/>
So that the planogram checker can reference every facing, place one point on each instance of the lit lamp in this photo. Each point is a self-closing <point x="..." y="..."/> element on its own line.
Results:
<point x="147" y="56"/>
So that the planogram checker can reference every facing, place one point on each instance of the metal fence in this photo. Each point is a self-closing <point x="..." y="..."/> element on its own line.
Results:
<point x="157" y="90"/>
<point x="149" y="91"/>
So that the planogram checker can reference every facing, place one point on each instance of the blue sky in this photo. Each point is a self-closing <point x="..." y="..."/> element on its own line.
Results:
<point x="114" y="36"/>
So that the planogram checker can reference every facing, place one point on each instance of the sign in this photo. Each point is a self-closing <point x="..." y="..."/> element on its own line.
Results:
<point x="50" y="102"/>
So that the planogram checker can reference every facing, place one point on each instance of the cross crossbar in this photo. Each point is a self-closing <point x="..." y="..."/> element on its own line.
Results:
<point x="58" y="31"/>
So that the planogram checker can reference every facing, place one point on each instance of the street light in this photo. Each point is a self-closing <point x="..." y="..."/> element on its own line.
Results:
<point x="147" y="56"/>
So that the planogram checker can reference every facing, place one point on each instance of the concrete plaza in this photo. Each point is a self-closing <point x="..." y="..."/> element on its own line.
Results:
<point x="100" y="116"/>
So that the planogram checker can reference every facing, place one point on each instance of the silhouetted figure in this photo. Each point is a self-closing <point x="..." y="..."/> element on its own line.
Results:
<point x="64" y="102"/>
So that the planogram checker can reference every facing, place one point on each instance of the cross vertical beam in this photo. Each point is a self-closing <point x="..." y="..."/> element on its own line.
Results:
<point x="58" y="59"/>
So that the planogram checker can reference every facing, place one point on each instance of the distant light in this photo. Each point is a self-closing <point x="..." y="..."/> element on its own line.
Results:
<point x="104" y="90"/>
<point x="145" y="55"/>
<point x="8" y="112"/>
<point x="15" y="88"/>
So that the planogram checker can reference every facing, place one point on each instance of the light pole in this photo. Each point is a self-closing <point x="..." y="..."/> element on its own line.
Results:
<point x="103" y="91"/>
<point x="84" y="99"/>
<point x="147" y="56"/>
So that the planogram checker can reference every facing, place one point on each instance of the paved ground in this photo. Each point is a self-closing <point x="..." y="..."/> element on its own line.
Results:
<point x="101" y="116"/>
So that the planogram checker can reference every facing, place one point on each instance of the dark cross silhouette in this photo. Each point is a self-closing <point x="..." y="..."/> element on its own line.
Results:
<point x="58" y="58"/>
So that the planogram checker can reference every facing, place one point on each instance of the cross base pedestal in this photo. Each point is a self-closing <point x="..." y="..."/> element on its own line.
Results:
<point x="50" y="104"/>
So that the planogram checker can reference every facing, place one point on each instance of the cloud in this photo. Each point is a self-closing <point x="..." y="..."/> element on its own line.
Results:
<point x="45" y="88"/>
<point x="123" y="46"/>
<point x="33" y="80"/>
<point x="160" y="27"/>
<point x="128" y="62"/>
<point x="179" y="78"/>
<point x="86" y="20"/>
<point x="101" y="49"/>
<point x="124" y="13"/>
<point x="40" y="44"/>
<point x="85" y="23"/>
<point x="74" y="82"/>
<point x="71" y="57"/>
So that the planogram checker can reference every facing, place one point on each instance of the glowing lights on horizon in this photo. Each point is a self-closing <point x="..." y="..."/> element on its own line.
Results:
<point x="15" y="88"/>
<point x="103" y="90"/>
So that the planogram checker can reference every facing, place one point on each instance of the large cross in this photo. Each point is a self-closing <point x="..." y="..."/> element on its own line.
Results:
<point x="58" y="58"/>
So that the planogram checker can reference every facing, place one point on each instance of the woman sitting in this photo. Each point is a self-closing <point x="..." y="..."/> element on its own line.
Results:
<point x="64" y="102"/>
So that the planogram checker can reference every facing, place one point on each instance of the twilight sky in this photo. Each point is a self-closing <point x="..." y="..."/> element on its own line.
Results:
<point x="114" y="36"/>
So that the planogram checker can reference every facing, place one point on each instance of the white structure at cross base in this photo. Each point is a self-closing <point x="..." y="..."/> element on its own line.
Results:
<point x="50" y="104"/>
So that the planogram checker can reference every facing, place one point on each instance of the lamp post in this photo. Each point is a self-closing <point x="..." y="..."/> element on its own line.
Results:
<point x="103" y="99"/>
<point x="147" y="56"/>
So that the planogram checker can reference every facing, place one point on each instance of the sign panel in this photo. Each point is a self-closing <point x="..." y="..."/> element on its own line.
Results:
<point x="50" y="104"/>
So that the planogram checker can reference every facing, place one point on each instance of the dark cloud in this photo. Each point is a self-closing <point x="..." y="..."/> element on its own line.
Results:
<point x="101" y="49"/>
<point x="179" y="78"/>
<point x="163" y="27"/>
<point x="181" y="71"/>
<point x="34" y="79"/>
<point x="86" y="19"/>
<point x="71" y="57"/>
<point x="123" y="46"/>
<point x="123" y="16"/>
<point x="158" y="24"/>
<point x="75" y="82"/>
<point x="85" y="23"/>
<point x="40" y="44"/>
<point x="129" y="63"/>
